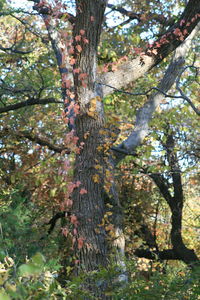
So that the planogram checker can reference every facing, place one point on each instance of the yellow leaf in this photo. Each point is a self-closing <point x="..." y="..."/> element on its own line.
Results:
<point x="96" y="178"/>
<point x="109" y="213"/>
<point x="99" y="148"/>
<point x="103" y="132"/>
<point x="93" y="104"/>
<point x="86" y="135"/>
<point x="92" y="114"/>
<point x="98" y="167"/>
<point x="108" y="173"/>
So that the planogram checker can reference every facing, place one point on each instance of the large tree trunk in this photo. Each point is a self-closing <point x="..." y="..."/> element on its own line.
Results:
<point x="93" y="165"/>
<point x="89" y="208"/>
<point x="91" y="247"/>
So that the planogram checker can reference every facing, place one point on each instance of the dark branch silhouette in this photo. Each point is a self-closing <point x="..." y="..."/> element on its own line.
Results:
<point x="28" y="102"/>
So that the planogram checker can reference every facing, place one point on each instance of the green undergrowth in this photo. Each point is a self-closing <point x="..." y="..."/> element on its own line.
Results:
<point x="37" y="279"/>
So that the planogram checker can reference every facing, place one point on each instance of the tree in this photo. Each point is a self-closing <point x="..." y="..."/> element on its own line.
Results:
<point x="96" y="217"/>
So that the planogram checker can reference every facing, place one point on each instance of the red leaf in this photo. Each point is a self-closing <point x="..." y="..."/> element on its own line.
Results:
<point x="78" y="38"/>
<point x="82" y="76"/>
<point x="78" y="183"/>
<point x="76" y="109"/>
<point x="182" y="22"/>
<point x="86" y="41"/>
<point x="72" y="61"/>
<point x="185" y="32"/>
<point x="71" y="50"/>
<point x="79" y="48"/>
<point x="76" y="70"/>
<point x="74" y="220"/>
<point x="65" y="231"/>
<point x="177" y="32"/>
<point x="83" y="191"/>
<point x="82" y="31"/>
<point x="80" y="242"/>
<point x="84" y="84"/>
<point x="68" y="83"/>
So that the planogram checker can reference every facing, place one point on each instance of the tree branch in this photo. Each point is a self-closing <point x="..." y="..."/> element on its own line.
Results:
<point x="125" y="12"/>
<point x="168" y="254"/>
<point x="138" y="16"/>
<point x="29" y="102"/>
<point x="145" y="113"/>
<point x="41" y="140"/>
<point x="46" y="10"/>
<point x="29" y="27"/>
<point x="14" y="50"/>
<point x="161" y="48"/>
<point x="196" y="110"/>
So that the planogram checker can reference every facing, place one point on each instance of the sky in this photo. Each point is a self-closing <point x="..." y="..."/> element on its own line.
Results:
<point x="25" y="4"/>
<point x="21" y="3"/>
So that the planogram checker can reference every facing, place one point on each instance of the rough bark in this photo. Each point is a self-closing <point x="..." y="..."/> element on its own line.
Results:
<point x="89" y="208"/>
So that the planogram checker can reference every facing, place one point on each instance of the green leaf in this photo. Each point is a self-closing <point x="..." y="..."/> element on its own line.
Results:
<point x="4" y="296"/>
<point x="38" y="259"/>
<point x="30" y="269"/>
<point x="34" y="266"/>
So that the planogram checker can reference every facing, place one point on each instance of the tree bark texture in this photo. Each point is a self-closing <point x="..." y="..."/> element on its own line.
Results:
<point x="89" y="208"/>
